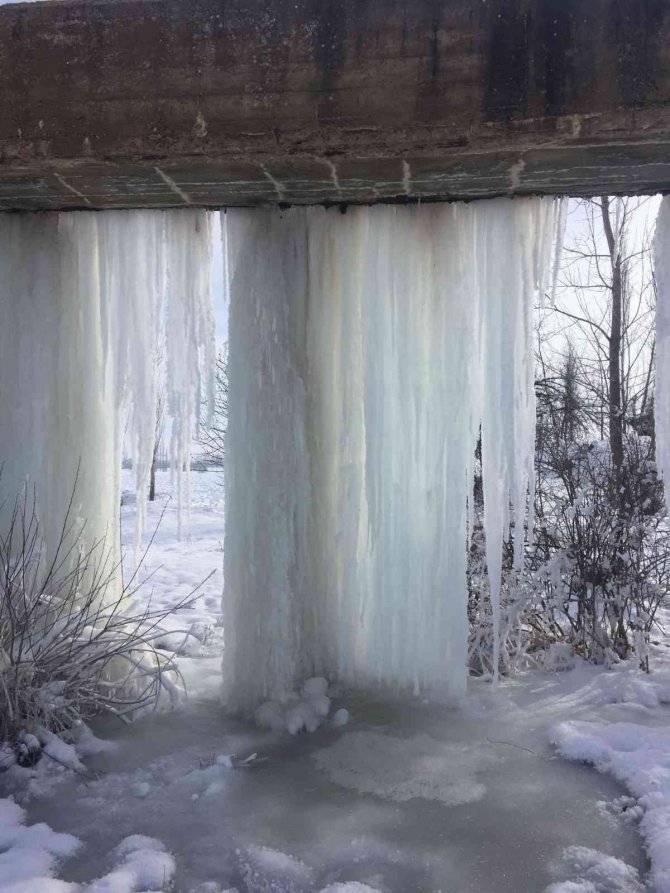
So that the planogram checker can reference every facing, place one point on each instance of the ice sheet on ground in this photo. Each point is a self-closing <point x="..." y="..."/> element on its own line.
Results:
<point x="402" y="768"/>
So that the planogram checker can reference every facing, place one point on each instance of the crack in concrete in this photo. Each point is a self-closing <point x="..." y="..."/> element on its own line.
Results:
<point x="279" y="189"/>
<point x="184" y="196"/>
<point x="71" y="188"/>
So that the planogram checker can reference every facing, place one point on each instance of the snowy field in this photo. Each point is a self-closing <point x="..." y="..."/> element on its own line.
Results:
<point x="402" y="799"/>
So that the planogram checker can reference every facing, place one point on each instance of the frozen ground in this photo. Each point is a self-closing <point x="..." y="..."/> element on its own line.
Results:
<point x="404" y="799"/>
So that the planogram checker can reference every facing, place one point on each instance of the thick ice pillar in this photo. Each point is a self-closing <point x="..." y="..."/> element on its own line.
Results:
<point x="83" y="319"/>
<point x="365" y="351"/>
<point x="57" y="419"/>
<point x="267" y="556"/>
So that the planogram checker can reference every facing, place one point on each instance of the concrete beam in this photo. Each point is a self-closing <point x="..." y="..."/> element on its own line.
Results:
<point x="159" y="103"/>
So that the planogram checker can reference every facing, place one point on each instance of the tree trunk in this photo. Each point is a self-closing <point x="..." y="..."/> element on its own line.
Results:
<point x="614" y="358"/>
<point x="152" y="478"/>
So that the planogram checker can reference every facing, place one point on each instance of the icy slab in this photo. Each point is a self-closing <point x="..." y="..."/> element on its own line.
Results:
<point x="366" y="352"/>
<point x="402" y="768"/>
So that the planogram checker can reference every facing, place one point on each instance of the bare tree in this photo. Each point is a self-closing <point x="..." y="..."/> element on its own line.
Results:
<point x="604" y="311"/>
<point x="212" y="436"/>
<point x="615" y="407"/>
<point x="602" y="554"/>
<point x="158" y="437"/>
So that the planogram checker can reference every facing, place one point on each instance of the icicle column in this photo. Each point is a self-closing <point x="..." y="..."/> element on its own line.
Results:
<point x="83" y="305"/>
<point x="365" y="351"/>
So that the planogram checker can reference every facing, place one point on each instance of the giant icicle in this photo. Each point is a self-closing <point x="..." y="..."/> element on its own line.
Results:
<point x="82" y="304"/>
<point x="366" y="350"/>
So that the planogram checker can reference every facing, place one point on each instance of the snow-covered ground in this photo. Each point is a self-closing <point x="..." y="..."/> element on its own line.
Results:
<point x="405" y="798"/>
<point x="175" y="568"/>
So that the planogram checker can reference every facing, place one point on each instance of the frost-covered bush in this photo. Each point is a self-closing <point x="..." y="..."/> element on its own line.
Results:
<point x="601" y="564"/>
<point x="524" y="635"/>
<point x="596" y="573"/>
<point x="71" y="644"/>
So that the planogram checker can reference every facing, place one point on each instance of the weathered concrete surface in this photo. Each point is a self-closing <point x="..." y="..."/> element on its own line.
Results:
<point x="136" y="103"/>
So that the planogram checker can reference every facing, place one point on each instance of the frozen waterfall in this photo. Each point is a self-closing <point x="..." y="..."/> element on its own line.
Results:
<point x="366" y="349"/>
<point x="86" y="302"/>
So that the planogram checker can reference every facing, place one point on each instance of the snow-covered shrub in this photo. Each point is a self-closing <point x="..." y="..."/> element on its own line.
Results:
<point x="601" y="563"/>
<point x="596" y="573"/>
<point x="523" y="631"/>
<point x="71" y="643"/>
<point x="523" y="635"/>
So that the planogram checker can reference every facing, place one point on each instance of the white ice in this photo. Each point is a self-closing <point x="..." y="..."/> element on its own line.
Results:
<point x="89" y="300"/>
<point x="365" y="351"/>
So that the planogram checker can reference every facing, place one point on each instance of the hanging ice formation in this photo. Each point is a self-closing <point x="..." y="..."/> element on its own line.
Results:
<point x="365" y="351"/>
<point x="87" y="301"/>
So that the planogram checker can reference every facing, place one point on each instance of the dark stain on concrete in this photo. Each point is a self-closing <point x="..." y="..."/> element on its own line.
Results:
<point x="636" y="30"/>
<point x="554" y="52"/>
<point x="100" y="93"/>
<point x="505" y="93"/>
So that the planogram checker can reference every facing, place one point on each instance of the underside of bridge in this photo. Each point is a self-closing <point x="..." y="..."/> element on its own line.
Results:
<point x="162" y="103"/>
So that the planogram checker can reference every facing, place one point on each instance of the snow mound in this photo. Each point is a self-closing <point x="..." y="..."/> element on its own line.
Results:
<point x="30" y="856"/>
<point x="350" y="887"/>
<point x="265" y="870"/>
<point x="340" y="718"/>
<point x="207" y="781"/>
<point x="212" y="887"/>
<point x="595" y="872"/>
<point x="142" y="864"/>
<point x="572" y="887"/>
<point x="297" y="713"/>
<point x="560" y="657"/>
<point x="639" y="757"/>
<point x="317" y="685"/>
<point x="402" y="768"/>
<point x="621" y="686"/>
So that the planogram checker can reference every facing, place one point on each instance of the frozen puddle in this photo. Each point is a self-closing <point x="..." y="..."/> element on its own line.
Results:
<point x="403" y="800"/>
<point x="403" y="768"/>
